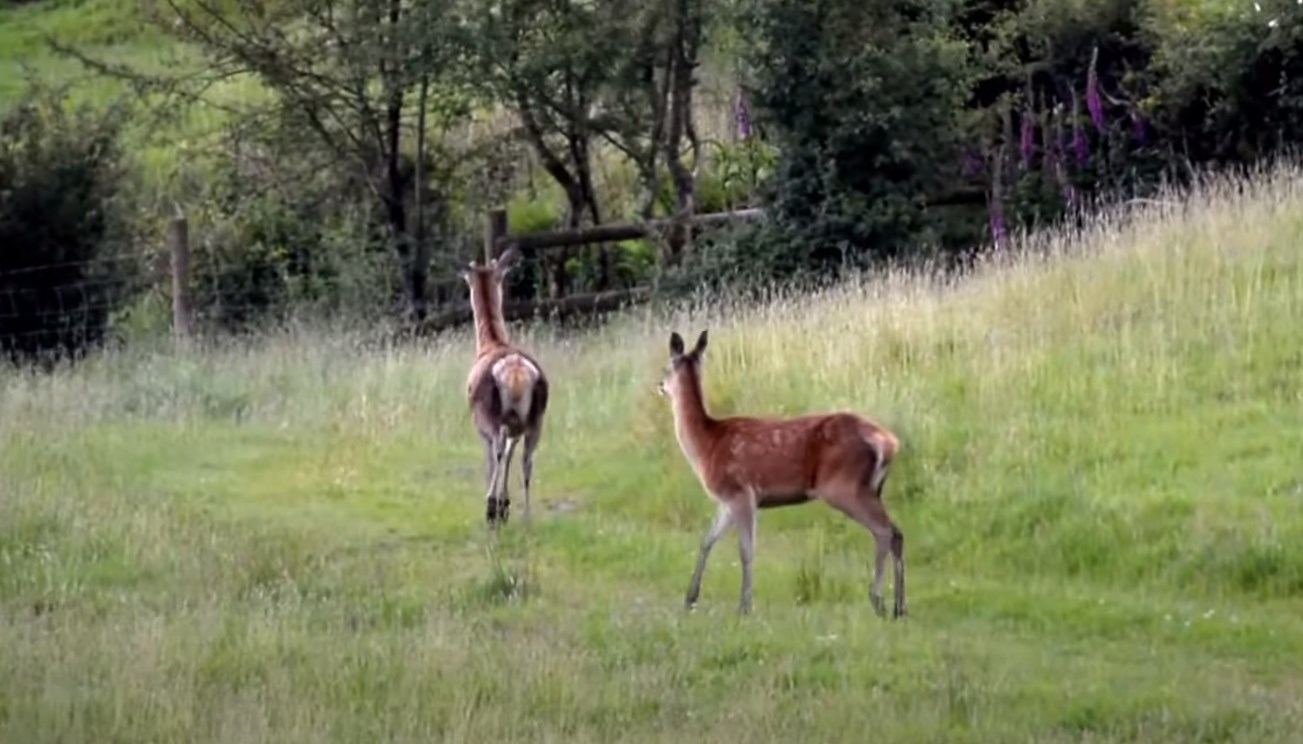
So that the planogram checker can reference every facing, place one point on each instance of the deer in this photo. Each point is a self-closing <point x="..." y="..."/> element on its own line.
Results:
<point x="749" y="464"/>
<point x="506" y="389"/>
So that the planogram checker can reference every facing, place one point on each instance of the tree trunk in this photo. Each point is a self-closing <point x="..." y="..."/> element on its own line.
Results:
<point x="557" y="283"/>
<point x="396" y="189"/>
<point x="421" y="254"/>
<point x="578" y="139"/>
<point x="682" y="61"/>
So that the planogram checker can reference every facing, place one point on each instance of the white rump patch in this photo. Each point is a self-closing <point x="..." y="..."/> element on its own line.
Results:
<point x="521" y="405"/>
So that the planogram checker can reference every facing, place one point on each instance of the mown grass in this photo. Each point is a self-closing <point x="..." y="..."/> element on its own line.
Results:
<point x="281" y="539"/>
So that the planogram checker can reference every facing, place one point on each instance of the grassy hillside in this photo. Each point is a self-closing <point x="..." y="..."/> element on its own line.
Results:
<point x="111" y="29"/>
<point x="1100" y="487"/>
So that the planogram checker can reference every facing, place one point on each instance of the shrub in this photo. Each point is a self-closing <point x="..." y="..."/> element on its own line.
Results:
<point x="66" y="255"/>
<point x="865" y="103"/>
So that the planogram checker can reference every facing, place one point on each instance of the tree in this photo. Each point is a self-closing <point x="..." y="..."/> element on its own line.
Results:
<point x="866" y="104"/>
<point x="622" y="72"/>
<point x="362" y="77"/>
<point x="547" y="62"/>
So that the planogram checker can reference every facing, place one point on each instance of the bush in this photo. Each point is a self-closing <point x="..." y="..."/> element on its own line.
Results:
<point x="906" y="128"/>
<point x="866" y="103"/>
<point x="66" y="255"/>
<point x="1229" y="80"/>
<point x="1089" y="101"/>
<point x="274" y="238"/>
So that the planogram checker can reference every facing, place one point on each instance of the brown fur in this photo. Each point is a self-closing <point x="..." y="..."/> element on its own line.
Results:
<point x="506" y="389"/>
<point x="747" y="464"/>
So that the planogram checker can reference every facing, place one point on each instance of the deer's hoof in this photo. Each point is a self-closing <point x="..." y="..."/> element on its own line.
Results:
<point x="494" y="511"/>
<point x="879" y="606"/>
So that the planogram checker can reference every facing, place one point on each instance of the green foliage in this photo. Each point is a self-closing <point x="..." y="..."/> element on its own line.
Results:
<point x="66" y="259"/>
<point x="864" y="104"/>
<point x="1177" y="87"/>
<point x="279" y="233"/>
<point x="525" y="215"/>
<point x="635" y="262"/>
<point x="882" y="130"/>
<point x="1230" y="81"/>
<point x="274" y="255"/>
<point x="741" y="167"/>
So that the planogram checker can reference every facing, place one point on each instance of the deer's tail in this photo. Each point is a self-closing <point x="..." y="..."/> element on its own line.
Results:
<point x="884" y="446"/>
<point x="516" y="377"/>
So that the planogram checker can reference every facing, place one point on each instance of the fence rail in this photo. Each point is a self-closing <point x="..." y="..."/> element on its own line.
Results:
<point x="498" y="239"/>
<point x="82" y="297"/>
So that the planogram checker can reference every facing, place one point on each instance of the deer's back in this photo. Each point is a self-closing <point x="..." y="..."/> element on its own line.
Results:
<point x="783" y="460"/>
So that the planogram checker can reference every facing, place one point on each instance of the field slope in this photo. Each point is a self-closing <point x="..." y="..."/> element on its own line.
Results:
<point x="1100" y="486"/>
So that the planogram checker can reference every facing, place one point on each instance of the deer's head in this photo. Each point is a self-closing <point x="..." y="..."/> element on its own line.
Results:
<point x="485" y="280"/>
<point x="684" y="368"/>
<point x="493" y="272"/>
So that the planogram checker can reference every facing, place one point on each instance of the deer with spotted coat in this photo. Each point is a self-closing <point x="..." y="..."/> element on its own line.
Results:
<point x="506" y="389"/>
<point x="750" y="464"/>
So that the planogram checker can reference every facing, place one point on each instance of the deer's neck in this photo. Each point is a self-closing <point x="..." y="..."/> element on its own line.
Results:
<point x="693" y="425"/>
<point x="486" y="305"/>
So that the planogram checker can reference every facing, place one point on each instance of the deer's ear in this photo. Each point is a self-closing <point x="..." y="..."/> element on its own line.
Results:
<point x="676" y="344"/>
<point x="701" y="344"/>
<point x="466" y="272"/>
<point x="508" y="260"/>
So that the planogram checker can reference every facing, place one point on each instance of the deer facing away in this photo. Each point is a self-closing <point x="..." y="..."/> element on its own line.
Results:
<point x="749" y="464"/>
<point x="506" y="389"/>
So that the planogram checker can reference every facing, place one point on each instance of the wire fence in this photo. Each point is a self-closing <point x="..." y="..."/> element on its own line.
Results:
<point x="66" y="301"/>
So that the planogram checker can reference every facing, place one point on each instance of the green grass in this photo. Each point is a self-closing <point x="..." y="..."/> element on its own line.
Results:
<point x="118" y="33"/>
<point x="109" y="29"/>
<point x="281" y="539"/>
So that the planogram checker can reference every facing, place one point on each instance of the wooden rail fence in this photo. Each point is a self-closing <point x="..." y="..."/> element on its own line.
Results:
<point x="496" y="240"/>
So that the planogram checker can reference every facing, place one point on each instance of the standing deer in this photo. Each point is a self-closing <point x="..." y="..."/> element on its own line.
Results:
<point x="750" y="464"/>
<point x="507" y="389"/>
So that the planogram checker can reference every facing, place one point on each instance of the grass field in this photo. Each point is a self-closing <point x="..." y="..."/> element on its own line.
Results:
<point x="281" y="540"/>
<point x="110" y="29"/>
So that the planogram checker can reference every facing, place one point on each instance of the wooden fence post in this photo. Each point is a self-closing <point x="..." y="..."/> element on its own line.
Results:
<point x="495" y="231"/>
<point x="179" y="242"/>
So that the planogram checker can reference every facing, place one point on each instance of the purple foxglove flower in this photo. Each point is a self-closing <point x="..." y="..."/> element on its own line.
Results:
<point x="742" y="117"/>
<point x="1027" y="143"/>
<point x="1048" y="156"/>
<point x="1093" y="102"/>
<point x="1079" y="144"/>
<point x="1138" y="127"/>
<point x="997" y="220"/>
<point x="1070" y="196"/>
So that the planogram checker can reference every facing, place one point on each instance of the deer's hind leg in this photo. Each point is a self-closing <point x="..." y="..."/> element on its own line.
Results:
<point x="532" y="437"/>
<point x="887" y="538"/>
<point x="873" y="496"/>
<point x="497" y="503"/>
<point x="856" y="498"/>
<point x="490" y="460"/>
